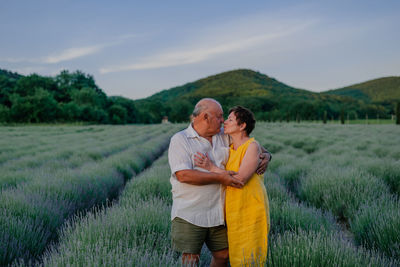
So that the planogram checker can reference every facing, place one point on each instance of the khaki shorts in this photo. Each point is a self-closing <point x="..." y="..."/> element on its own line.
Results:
<point x="189" y="238"/>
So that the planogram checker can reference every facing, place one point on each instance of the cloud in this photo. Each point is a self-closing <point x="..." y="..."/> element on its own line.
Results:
<point x="214" y="44"/>
<point x="65" y="55"/>
<point x="73" y="53"/>
<point x="70" y="53"/>
<point x="78" y="52"/>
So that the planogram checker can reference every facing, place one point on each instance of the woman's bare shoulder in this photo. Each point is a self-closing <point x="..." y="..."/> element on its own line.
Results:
<point x="254" y="145"/>
<point x="253" y="150"/>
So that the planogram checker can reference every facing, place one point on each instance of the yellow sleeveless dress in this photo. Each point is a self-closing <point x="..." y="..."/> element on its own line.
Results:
<point x="247" y="215"/>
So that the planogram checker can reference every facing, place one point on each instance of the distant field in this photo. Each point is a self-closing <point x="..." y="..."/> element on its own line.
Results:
<point x="371" y="121"/>
<point x="333" y="190"/>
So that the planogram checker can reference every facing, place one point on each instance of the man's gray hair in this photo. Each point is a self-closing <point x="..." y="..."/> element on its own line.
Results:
<point x="198" y="109"/>
<point x="202" y="105"/>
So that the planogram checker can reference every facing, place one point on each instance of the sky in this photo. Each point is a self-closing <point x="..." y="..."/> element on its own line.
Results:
<point x="137" y="48"/>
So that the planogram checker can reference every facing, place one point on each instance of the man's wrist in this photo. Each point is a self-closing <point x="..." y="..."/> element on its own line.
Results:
<point x="221" y="177"/>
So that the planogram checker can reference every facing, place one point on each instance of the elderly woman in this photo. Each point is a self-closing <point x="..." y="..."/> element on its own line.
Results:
<point x="247" y="209"/>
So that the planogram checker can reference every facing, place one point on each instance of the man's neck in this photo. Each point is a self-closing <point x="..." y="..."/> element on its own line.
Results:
<point x="201" y="132"/>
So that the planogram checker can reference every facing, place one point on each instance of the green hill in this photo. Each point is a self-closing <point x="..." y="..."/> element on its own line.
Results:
<point x="236" y="83"/>
<point x="379" y="90"/>
<point x="268" y="98"/>
<point x="271" y="99"/>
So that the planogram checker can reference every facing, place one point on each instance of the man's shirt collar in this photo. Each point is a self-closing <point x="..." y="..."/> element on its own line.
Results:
<point x="191" y="132"/>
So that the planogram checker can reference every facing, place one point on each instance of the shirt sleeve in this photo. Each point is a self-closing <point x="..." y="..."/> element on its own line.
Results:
<point x="179" y="156"/>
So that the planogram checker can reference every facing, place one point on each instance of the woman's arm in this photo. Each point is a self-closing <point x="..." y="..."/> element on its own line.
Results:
<point x="249" y="163"/>
<point x="195" y="177"/>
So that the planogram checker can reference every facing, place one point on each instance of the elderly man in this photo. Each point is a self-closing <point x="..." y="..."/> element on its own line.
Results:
<point x="198" y="198"/>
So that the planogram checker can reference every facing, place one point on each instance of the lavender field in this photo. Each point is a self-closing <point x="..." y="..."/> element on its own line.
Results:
<point x="50" y="173"/>
<point x="333" y="189"/>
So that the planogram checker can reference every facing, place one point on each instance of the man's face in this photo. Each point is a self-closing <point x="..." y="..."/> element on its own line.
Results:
<point x="216" y="118"/>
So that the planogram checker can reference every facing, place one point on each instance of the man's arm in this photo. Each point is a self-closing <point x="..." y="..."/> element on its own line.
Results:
<point x="195" y="177"/>
<point x="268" y="154"/>
<point x="265" y="157"/>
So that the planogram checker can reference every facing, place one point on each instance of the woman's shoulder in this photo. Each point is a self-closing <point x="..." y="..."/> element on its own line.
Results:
<point x="253" y="145"/>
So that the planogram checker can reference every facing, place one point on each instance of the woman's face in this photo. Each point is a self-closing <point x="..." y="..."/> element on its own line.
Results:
<point x="231" y="125"/>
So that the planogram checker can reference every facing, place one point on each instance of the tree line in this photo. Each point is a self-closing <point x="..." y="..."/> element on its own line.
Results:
<point x="67" y="97"/>
<point x="75" y="97"/>
<point x="286" y="108"/>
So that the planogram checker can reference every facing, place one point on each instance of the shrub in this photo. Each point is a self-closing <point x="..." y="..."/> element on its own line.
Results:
<point x="293" y="170"/>
<point x="388" y="170"/>
<point x="377" y="226"/>
<point x="133" y="232"/>
<point x="340" y="190"/>
<point x="291" y="216"/>
<point x="135" y="235"/>
<point x="276" y="189"/>
<point x="154" y="186"/>
<point x="319" y="249"/>
<point x="273" y="147"/>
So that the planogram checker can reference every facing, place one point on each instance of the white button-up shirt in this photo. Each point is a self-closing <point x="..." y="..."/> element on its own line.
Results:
<point x="201" y="205"/>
